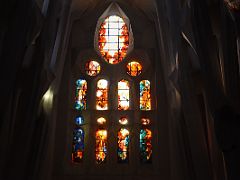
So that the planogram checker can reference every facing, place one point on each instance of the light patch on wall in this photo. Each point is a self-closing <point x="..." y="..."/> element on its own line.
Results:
<point x="47" y="100"/>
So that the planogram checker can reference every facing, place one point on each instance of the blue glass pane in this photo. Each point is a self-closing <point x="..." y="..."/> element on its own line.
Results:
<point x="78" y="145"/>
<point x="79" y="120"/>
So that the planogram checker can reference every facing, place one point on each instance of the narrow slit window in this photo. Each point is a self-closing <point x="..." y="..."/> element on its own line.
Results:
<point x="81" y="92"/>
<point x="78" y="145"/>
<point x="123" y="95"/>
<point x="101" y="146"/>
<point x="145" y="96"/>
<point x="145" y="145"/>
<point x="123" y="146"/>
<point x="102" y="95"/>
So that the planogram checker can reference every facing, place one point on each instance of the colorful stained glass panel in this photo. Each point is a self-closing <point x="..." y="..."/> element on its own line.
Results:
<point x="102" y="95"/>
<point x="92" y="68"/>
<point x="145" y="146"/>
<point x="123" y="95"/>
<point x="77" y="145"/>
<point x="145" y="96"/>
<point x="81" y="92"/>
<point x="134" y="68"/>
<point x="123" y="146"/>
<point x="113" y="39"/>
<point x="101" y="145"/>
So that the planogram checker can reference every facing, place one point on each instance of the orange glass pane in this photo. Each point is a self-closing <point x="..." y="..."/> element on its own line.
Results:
<point x="134" y="68"/>
<point x="92" y="68"/>
<point x="101" y="145"/>
<point x="101" y="120"/>
<point x="113" y="39"/>
<point x="123" y="120"/>
<point x="123" y="145"/>
<point x="123" y="95"/>
<point x="145" y="96"/>
<point x="145" y="121"/>
<point x="102" y="95"/>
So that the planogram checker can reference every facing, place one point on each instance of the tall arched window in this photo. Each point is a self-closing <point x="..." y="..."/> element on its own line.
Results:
<point x="102" y="95"/>
<point x="145" y="95"/>
<point x="123" y="95"/>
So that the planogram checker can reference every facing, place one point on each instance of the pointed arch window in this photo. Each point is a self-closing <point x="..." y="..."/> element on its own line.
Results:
<point x="102" y="95"/>
<point x="123" y="95"/>
<point x="145" y="96"/>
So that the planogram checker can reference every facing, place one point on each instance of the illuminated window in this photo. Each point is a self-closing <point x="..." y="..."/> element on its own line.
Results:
<point x="123" y="145"/>
<point x="145" y="97"/>
<point x="145" y="145"/>
<point x="101" y="145"/>
<point x="77" y="145"/>
<point x="79" y="120"/>
<point x="134" y="68"/>
<point x="101" y="121"/>
<point x="92" y="68"/>
<point x="81" y="91"/>
<point x="123" y="121"/>
<point x="123" y="95"/>
<point x="113" y="39"/>
<point x="145" y="121"/>
<point x="102" y="95"/>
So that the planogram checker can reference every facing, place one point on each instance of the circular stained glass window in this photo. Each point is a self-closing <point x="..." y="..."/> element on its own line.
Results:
<point x="92" y="68"/>
<point x="113" y="39"/>
<point x="134" y="68"/>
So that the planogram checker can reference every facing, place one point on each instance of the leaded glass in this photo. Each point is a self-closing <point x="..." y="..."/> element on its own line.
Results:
<point x="81" y="91"/>
<point x="145" y="96"/>
<point x="101" y="145"/>
<point x="77" y="145"/>
<point x="123" y="146"/>
<point x="102" y="95"/>
<point x="123" y="95"/>
<point x="92" y="68"/>
<point x="113" y="39"/>
<point x="145" y="145"/>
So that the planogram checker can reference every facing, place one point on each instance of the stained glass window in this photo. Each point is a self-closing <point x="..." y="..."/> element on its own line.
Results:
<point x="123" y="145"/>
<point x="81" y="91"/>
<point x="113" y="39"/>
<point x="102" y="95"/>
<point x="145" y="96"/>
<point x="77" y="145"/>
<point x="134" y="68"/>
<point x="101" y="145"/>
<point x="145" y="121"/>
<point x="123" y="95"/>
<point x="101" y="121"/>
<point x="92" y="68"/>
<point x="79" y="120"/>
<point x="145" y="145"/>
<point x="123" y="121"/>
